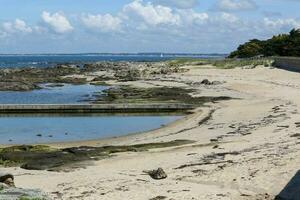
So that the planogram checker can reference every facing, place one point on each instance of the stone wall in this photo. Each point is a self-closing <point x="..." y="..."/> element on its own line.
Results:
<point x="288" y="63"/>
<point x="96" y="108"/>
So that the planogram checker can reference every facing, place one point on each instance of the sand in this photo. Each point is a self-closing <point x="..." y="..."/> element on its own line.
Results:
<point x="244" y="151"/>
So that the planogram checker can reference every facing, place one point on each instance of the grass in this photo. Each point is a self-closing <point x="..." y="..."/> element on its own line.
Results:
<point x="233" y="63"/>
<point x="7" y="163"/>
<point x="26" y="148"/>
<point x="223" y="63"/>
<point x="185" y="61"/>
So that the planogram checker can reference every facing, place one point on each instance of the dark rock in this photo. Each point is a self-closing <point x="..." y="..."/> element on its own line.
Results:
<point x="7" y="179"/>
<point x="214" y="140"/>
<point x="159" y="198"/>
<point x="157" y="174"/>
<point x="206" y="82"/>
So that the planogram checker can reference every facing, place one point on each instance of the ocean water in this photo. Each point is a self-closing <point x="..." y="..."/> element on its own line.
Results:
<point x="49" y="129"/>
<point x="46" y="60"/>
<point x="67" y="94"/>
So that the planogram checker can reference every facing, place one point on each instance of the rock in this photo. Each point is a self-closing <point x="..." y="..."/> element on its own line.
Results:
<point x="9" y="182"/>
<point x="3" y="186"/>
<point x="157" y="174"/>
<point x="159" y="198"/>
<point x="205" y="82"/>
<point x="7" y="179"/>
<point x="18" y="193"/>
<point x="18" y="86"/>
<point x="55" y="85"/>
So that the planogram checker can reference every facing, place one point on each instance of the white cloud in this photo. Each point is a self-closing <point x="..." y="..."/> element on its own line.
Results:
<point x="281" y="23"/>
<point x="57" y="22"/>
<point x="152" y="14"/>
<point x="102" y="23"/>
<point x="182" y="4"/>
<point x="229" y="17"/>
<point x="235" y="5"/>
<point x="191" y="17"/>
<point x="16" y="26"/>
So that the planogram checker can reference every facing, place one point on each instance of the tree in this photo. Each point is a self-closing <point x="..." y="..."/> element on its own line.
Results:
<point x="279" y="45"/>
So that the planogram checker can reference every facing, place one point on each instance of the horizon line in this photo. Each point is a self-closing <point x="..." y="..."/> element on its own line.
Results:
<point x="120" y="53"/>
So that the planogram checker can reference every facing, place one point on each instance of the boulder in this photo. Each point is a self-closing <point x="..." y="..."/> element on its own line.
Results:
<point x="207" y="82"/>
<point x="7" y="179"/>
<point x="157" y="174"/>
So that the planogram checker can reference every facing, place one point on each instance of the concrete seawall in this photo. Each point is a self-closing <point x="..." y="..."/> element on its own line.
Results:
<point x="287" y="63"/>
<point x="95" y="108"/>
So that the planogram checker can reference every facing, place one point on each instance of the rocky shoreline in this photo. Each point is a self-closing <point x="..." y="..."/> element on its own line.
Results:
<point x="98" y="73"/>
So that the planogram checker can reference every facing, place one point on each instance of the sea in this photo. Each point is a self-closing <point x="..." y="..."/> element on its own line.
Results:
<point x="48" y="60"/>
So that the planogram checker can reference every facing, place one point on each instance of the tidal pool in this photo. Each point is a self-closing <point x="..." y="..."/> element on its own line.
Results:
<point x="48" y="129"/>
<point x="65" y="94"/>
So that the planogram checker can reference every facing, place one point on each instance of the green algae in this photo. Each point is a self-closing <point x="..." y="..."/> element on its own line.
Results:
<point x="46" y="158"/>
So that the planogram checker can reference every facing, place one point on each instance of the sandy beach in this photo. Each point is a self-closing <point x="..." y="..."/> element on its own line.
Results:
<point x="245" y="148"/>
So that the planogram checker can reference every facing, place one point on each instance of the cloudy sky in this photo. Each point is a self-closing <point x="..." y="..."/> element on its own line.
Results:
<point x="187" y="26"/>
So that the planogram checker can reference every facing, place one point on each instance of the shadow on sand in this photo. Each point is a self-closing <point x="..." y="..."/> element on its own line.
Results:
<point x="291" y="190"/>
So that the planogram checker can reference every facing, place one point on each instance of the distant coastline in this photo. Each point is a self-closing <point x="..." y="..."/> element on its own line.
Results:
<point x="48" y="60"/>
<point x="119" y="54"/>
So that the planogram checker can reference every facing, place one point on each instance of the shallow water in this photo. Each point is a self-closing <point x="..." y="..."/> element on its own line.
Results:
<point x="68" y="94"/>
<point x="25" y="129"/>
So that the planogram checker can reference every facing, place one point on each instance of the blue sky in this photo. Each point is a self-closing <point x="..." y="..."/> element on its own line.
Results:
<point x="188" y="26"/>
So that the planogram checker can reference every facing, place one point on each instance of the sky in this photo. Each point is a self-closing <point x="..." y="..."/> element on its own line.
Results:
<point x="130" y="26"/>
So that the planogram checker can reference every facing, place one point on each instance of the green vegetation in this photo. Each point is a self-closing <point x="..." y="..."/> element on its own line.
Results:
<point x="279" y="45"/>
<point x="29" y="198"/>
<point x="27" y="148"/>
<point x="224" y="63"/>
<point x="7" y="163"/>
<point x="233" y="63"/>
<point x="46" y="158"/>
<point x="187" y="61"/>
